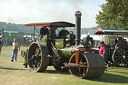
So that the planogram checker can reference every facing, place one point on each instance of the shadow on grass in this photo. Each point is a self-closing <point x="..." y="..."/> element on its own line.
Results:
<point x="55" y="72"/>
<point x="119" y="72"/>
<point x="8" y="68"/>
<point x="112" y="78"/>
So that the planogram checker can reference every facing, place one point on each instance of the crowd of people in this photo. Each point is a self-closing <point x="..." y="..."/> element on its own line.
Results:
<point x="16" y="45"/>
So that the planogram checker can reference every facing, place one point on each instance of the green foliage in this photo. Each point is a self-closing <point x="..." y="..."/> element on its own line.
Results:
<point x="114" y="15"/>
<point x="15" y="27"/>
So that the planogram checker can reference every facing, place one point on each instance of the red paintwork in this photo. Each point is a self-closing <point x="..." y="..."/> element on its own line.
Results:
<point x="51" y="24"/>
<point x="77" y="56"/>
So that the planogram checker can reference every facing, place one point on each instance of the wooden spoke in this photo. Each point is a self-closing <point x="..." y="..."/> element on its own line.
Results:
<point x="126" y="52"/>
<point x="119" y="61"/>
<point x="126" y="61"/>
<point x="118" y="52"/>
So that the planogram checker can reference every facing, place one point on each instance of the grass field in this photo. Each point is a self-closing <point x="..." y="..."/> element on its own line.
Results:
<point x="14" y="73"/>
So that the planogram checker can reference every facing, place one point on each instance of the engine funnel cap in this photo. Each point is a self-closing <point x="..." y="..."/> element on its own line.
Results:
<point x="78" y="14"/>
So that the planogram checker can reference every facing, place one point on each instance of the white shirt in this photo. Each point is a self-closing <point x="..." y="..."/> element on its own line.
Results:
<point x="15" y="45"/>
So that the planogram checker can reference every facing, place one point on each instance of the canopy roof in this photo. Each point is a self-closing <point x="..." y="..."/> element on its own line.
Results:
<point x="51" y="24"/>
<point x="111" y="32"/>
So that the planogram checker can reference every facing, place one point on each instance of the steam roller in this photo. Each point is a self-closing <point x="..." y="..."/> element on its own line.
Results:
<point x="66" y="52"/>
<point x="81" y="64"/>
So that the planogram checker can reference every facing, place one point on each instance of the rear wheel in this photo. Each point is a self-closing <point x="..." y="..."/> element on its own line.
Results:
<point x="120" y="57"/>
<point x="37" y="59"/>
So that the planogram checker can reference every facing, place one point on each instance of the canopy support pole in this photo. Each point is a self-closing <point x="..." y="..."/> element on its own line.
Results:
<point x="34" y="33"/>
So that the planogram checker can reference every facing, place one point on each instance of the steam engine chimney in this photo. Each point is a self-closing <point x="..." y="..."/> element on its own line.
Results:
<point x="78" y="26"/>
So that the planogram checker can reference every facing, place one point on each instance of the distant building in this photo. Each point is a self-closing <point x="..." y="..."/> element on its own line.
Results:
<point x="11" y="35"/>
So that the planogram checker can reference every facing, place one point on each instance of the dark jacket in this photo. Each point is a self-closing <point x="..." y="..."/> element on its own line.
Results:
<point x="43" y="32"/>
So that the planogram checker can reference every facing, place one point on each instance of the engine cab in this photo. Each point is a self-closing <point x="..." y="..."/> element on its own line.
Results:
<point x="65" y="39"/>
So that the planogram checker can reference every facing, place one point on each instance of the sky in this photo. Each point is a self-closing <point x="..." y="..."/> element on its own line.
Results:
<point x="30" y="11"/>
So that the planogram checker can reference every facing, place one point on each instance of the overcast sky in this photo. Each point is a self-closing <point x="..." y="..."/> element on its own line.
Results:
<point x="28" y="11"/>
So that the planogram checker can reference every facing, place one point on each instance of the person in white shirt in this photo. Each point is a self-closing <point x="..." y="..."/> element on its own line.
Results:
<point x="15" y="45"/>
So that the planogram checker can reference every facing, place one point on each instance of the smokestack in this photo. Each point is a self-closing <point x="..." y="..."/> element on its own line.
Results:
<point x="78" y="26"/>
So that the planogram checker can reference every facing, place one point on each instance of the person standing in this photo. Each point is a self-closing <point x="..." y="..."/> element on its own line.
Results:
<point x="0" y="46"/>
<point x="103" y="53"/>
<point x="52" y="33"/>
<point x="2" y="40"/>
<point x="15" y="45"/>
<point x="102" y="49"/>
<point x="51" y="38"/>
<point x="6" y="42"/>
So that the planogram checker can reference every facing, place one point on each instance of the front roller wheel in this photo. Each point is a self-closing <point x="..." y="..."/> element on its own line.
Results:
<point x="120" y="57"/>
<point x="92" y="66"/>
<point x="37" y="59"/>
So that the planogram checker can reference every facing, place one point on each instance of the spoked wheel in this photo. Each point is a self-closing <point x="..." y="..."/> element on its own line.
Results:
<point x="37" y="59"/>
<point x="61" y="68"/>
<point x="91" y="66"/>
<point x="120" y="57"/>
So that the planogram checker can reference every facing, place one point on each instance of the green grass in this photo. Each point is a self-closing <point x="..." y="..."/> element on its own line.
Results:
<point x="14" y="73"/>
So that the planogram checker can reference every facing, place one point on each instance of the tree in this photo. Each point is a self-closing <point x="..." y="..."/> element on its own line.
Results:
<point x="16" y="27"/>
<point x="114" y="15"/>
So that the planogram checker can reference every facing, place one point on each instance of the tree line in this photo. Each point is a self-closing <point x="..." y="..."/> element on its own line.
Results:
<point x="15" y="27"/>
<point x="22" y="28"/>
